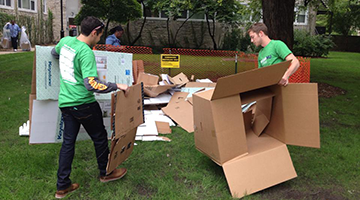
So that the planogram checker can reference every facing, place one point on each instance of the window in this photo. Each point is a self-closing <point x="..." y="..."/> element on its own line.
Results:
<point x="6" y="3"/>
<point x="27" y="5"/>
<point x="301" y="16"/>
<point x="44" y="6"/>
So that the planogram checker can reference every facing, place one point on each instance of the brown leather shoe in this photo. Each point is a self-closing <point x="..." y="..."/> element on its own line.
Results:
<point x="114" y="175"/>
<point x="62" y="193"/>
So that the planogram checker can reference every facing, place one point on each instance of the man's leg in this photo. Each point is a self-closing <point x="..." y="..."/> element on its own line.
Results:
<point x="67" y="151"/>
<point x="14" y="43"/>
<point x="96" y="130"/>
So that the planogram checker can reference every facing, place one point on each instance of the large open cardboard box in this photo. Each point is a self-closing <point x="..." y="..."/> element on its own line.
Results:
<point x="251" y="148"/>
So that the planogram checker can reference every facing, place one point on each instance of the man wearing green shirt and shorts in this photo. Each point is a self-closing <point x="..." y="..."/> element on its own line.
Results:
<point x="78" y="82"/>
<point x="273" y="51"/>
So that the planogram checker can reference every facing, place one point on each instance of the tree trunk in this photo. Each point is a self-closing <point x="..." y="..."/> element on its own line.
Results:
<point x="212" y="35"/>
<point x="278" y="15"/>
<point x="141" y="29"/>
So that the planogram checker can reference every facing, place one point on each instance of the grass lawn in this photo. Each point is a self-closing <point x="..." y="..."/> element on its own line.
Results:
<point x="176" y="170"/>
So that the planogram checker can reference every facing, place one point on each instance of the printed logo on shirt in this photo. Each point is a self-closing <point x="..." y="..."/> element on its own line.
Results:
<point x="67" y="55"/>
<point x="264" y="60"/>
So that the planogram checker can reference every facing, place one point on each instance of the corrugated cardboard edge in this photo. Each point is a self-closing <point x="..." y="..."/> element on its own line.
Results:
<point x="181" y="111"/>
<point x="259" y="169"/>
<point x="249" y="80"/>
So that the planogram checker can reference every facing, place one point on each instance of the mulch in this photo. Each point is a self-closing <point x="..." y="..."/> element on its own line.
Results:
<point x="327" y="91"/>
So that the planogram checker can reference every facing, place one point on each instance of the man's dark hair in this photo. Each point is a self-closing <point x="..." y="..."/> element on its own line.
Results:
<point x="90" y="23"/>
<point x="116" y="28"/>
<point x="257" y="27"/>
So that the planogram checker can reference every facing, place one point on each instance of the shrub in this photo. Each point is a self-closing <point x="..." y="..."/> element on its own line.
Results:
<point x="237" y="40"/>
<point x="311" y="45"/>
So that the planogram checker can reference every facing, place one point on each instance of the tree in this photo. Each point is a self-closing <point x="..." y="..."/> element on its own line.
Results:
<point x="121" y="11"/>
<point x="278" y="15"/>
<point x="174" y="9"/>
<point x="225" y="11"/>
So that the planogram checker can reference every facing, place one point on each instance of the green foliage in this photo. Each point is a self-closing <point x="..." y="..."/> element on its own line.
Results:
<point x="4" y="18"/>
<point x="236" y="40"/>
<point x="311" y="45"/>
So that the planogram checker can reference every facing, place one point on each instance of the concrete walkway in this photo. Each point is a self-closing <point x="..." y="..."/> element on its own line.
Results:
<point x="8" y="51"/>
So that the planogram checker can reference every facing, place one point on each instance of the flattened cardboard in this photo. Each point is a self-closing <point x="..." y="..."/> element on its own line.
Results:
<point x="199" y="84"/>
<point x="179" y="80"/>
<point x="295" y="116"/>
<point x="128" y="110"/>
<point x="151" y="87"/>
<point x="120" y="149"/>
<point x="156" y="90"/>
<point x="262" y="115"/>
<point x="249" y="80"/>
<point x="148" y="79"/>
<point x="163" y="127"/>
<point x="267" y="164"/>
<point x="138" y="67"/>
<point x="181" y="111"/>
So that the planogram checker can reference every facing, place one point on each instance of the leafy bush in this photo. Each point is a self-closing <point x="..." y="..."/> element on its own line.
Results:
<point x="311" y="45"/>
<point x="236" y="40"/>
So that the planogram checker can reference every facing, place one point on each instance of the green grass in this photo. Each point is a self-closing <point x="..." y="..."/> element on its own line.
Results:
<point x="176" y="170"/>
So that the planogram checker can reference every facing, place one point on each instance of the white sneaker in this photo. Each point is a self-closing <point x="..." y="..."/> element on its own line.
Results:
<point x="15" y="50"/>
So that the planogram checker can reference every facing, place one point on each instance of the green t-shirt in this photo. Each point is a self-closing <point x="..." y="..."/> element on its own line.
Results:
<point x="77" y="61"/>
<point x="275" y="52"/>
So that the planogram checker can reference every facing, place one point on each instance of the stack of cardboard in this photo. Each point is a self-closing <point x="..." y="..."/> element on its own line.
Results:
<point x="251" y="148"/>
<point x="46" y="125"/>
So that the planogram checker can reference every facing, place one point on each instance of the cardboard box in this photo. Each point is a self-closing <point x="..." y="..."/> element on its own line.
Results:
<point x="252" y="148"/>
<point x="128" y="114"/>
<point x="138" y="67"/>
<point x="151" y="87"/>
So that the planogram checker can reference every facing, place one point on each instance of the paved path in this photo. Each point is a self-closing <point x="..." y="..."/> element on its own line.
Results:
<point x="8" y="51"/>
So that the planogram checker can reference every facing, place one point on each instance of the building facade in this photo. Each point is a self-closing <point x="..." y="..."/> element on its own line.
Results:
<point x="42" y="19"/>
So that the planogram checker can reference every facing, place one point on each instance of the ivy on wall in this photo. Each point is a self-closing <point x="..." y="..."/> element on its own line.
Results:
<point x="39" y="30"/>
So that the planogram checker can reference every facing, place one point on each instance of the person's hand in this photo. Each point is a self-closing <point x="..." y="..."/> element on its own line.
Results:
<point x="124" y="88"/>
<point x="284" y="81"/>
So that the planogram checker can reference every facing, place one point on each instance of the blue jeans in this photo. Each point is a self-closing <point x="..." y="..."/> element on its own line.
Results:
<point x="90" y="116"/>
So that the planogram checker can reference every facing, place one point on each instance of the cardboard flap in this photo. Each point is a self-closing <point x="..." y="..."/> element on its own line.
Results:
<point x="148" y="79"/>
<point x="199" y="84"/>
<point x="256" y="95"/>
<point x="163" y="127"/>
<point x="129" y="112"/>
<point x="267" y="164"/>
<point x="295" y="117"/>
<point x="181" y="111"/>
<point x="180" y="79"/>
<point x="155" y="90"/>
<point x="250" y="80"/>
<point x="120" y="150"/>
<point x="262" y="115"/>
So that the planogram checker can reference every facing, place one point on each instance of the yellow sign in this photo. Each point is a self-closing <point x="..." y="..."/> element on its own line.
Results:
<point x="170" y="61"/>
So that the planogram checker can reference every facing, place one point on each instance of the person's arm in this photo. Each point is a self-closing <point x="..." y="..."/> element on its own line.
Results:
<point x="54" y="53"/>
<point x="295" y="64"/>
<point x="95" y="85"/>
<point x="109" y="40"/>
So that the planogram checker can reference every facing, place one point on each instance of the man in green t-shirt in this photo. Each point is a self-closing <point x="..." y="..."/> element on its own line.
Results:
<point x="273" y="51"/>
<point x="78" y="82"/>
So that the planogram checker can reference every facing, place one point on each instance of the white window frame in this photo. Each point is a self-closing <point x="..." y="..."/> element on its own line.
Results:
<point x="8" y="7"/>
<point x="44" y="6"/>
<point x="178" y="19"/>
<point x="29" y="10"/>
<point x="306" y="13"/>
